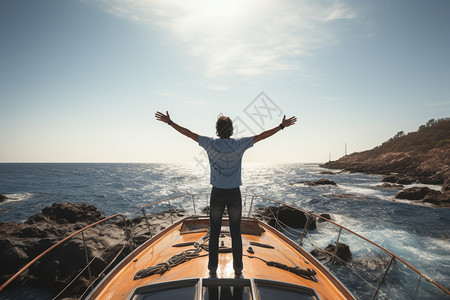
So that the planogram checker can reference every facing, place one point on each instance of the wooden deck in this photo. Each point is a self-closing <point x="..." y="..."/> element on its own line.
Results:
<point x="120" y="283"/>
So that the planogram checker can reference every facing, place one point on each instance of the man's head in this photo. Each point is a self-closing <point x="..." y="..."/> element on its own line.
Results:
<point x="224" y="127"/>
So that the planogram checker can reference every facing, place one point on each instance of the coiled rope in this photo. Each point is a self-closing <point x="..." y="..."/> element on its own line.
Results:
<point x="176" y="260"/>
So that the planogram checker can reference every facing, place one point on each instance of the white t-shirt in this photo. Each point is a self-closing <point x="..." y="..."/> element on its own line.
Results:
<point x="225" y="159"/>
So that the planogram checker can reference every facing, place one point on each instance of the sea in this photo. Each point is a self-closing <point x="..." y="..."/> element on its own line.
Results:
<point x="418" y="233"/>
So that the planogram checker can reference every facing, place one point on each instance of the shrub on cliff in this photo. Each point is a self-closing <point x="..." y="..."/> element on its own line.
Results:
<point x="442" y="143"/>
<point x="429" y="136"/>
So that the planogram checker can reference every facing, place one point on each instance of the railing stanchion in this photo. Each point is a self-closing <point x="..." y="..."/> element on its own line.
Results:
<point x="336" y="248"/>
<point x="251" y="207"/>
<point x="170" y="212"/>
<point x="384" y="276"/>
<point x="390" y="279"/>
<point x="193" y="203"/>
<point x="87" y="260"/>
<point x="417" y="288"/>
<point x="146" y="222"/>
<point x="305" y="229"/>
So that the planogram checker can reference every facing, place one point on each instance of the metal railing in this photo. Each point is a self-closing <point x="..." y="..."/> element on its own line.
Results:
<point x="378" y="273"/>
<point x="396" y="268"/>
<point x="385" y="271"/>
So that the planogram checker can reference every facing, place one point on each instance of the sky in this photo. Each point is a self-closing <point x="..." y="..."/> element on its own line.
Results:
<point x="80" y="81"/>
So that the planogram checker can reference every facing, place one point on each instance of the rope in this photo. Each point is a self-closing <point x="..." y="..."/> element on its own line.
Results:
<point x="174" y="261"/>
<point x="308" y="273"/>
<point x="177" y="259"/>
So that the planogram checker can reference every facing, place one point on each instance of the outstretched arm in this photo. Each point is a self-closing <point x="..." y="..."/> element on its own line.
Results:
<point x="284" y="123"/>
<point x="184" y="131"/>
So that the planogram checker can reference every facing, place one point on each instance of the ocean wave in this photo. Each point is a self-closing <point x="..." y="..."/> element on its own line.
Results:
<point x="361" y="190"/>
<point x="430" y="186"/>
<point x="18" y="197"/>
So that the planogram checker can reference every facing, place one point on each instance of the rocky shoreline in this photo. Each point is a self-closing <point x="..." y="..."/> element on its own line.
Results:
<point x="432" y="167"/>
<point x="106" y="244"/>
<point x="401" y="169"/>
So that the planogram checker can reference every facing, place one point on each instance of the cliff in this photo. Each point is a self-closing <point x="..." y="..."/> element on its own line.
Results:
<point x="423" y="156"/>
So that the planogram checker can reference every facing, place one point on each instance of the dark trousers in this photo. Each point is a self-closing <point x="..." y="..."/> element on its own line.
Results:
<point x="221" y="198"/>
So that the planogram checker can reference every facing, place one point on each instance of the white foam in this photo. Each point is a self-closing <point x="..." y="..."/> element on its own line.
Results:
<point x="354" y="189"/>
<point x="18" y="197"/>
<point x="430" y="186"/>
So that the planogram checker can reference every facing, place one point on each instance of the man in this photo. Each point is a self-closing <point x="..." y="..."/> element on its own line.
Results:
<point x="225" y="159"/>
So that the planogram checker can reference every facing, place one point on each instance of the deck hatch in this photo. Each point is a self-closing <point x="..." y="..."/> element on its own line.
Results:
<point x="248" y="226"/>
<point x="181" y="289"/>
<point x="224" y="289"/>
<point x="268" y="289"/>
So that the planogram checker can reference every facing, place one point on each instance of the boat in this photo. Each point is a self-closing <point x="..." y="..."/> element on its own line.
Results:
<point x="172" y="264"/>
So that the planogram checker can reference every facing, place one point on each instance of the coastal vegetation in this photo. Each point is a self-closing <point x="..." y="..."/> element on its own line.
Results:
<point x="434" y="134"/>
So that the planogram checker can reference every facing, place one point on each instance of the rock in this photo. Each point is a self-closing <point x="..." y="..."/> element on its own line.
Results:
<point x="349" y="196"/>
<point x="39" y="218"/>
<point x="39" y="245"/>
<point x="287" y="216"/>
<point x="405" y="180"/>
<point x="319" y="182"/>
<point x="438" y="198"/>
<point x="72" y="213"/>
<point x="446" y="185"/>
<point x="3" y="198"/>
<point x="398" y="179"/>
<point x="326" y="216"/>
<point x="327" y="173"/>
<point x="324" y="182"/>
<point x="31" y="232"/>
<point x="390" y="178"/>
<point x="20" y="242"/>
<point x="12" y="257"/>
<point x="342" y="251"/>
<point x="371" y="267"/>
<point x="415" y="193"/>
<point x="391" y="186"/>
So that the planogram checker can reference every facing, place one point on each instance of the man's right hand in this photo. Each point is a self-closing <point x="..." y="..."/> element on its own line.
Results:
<point x="162" y="117"/>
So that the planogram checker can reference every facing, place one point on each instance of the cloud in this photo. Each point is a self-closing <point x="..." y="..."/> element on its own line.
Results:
<point x="447" y="103"/>
<point x="168" y="94"/>
<point x="222" y="88"/>
<point x="328" y="98"/>
<point x="241" y="37"/>
<point x="197" y="102"/>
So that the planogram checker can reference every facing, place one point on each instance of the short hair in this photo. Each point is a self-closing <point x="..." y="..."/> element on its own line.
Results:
<point x="224" y="127"/>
